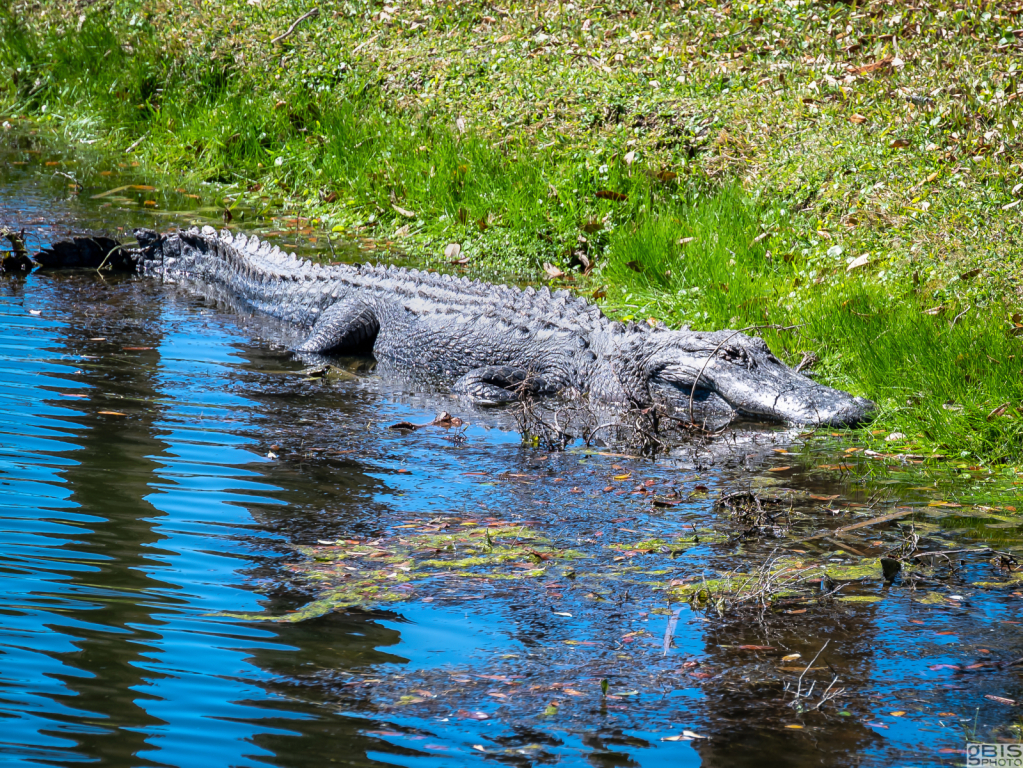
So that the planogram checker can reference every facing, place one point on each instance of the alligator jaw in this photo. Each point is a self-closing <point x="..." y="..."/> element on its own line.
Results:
<point x="743" y="372"/>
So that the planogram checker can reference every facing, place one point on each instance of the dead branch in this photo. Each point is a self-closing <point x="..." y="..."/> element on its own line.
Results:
<point x="294" y="25"/>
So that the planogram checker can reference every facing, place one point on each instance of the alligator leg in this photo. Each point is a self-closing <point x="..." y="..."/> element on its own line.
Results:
<point x="346" y="326"/>
<point x="495" y="384"/>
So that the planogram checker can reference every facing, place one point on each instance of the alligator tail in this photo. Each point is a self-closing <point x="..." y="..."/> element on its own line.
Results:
<point x="87" y="253"/>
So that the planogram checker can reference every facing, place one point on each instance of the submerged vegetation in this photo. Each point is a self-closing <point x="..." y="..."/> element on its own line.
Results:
<point x="844" y="179"/>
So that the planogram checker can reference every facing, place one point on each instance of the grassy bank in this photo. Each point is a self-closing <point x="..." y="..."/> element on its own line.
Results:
<point x="853" y="170"/>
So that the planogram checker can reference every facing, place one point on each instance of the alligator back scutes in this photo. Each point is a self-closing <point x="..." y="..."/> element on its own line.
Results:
<point x="558" y="310"/>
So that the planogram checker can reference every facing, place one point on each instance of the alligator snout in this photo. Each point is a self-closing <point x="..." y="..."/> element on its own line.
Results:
<point x="753" y="381"/>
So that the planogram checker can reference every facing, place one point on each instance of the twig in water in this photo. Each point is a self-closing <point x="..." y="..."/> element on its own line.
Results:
<point x="110" y="253"/>
<point x="294" y="25"/>
<point x="669" y="633"/>
<point x="799" y="688"/>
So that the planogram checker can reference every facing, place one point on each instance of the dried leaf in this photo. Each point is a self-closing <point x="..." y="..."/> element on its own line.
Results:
<point x="404" y="212"/>
<point x="998" y="411"/>
<point x="857" y="118"/>
<point x="900" y="144"/>
<point x="684" y="736"/>
<point x="552" y="271"/>
<point x="866" y="69"/>
<point x="1000" y="699"/>
<point x="859" y="261"/>
<point x="630" y="157"/>
<point x="607" y="194"/>
<point x="467" y="715"/>
<point x="452" y="251"/>
<point x="112" y="413"/>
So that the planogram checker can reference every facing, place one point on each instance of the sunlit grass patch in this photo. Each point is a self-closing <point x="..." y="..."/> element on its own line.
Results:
<point x="944" y="366"/>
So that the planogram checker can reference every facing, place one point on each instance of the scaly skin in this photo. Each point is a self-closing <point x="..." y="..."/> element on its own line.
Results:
<point x="494" y="342"/>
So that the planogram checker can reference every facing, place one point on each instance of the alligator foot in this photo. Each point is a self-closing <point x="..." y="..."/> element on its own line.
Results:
<point x="499" y="384"/>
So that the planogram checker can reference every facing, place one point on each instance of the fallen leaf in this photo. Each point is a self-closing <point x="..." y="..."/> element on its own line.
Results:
<point x="112" y="413"/>
<point x="899" y="713"/>
<point x="467" y="715"/>
<point x="1000" y="699"/>
<point x="630" y="157"/>
<point x="859" y="261"/>
<point x="791" y="657"/>
<point x="552" y="271"/>
<point x="998" y="411"/>
<point x="452" y="251"/>
<point x="900" y="144"/>
<point x="409" y="215"/>
<point x="607" y="194"/>
<point x="857" y="118"/>
<point x="779" y="469"/>
<point x="876" y="66"/>
<point x="684" y="736"/>
<point x="794" y="727"/>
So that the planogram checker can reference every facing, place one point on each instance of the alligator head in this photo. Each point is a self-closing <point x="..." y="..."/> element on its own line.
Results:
<point x="741" y="370"/>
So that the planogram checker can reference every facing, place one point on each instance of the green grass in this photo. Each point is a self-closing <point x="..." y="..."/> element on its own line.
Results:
<point x="940" y="379"/>
<point x="605" y="135"/>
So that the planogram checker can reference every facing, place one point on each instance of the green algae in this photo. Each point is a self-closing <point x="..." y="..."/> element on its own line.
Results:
<point x="868" y="568"/>
<point x="859" y="599"/>
<point x="359" y="574"/>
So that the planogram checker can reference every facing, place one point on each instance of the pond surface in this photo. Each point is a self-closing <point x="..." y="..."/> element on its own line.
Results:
<point x="187" y="518"/>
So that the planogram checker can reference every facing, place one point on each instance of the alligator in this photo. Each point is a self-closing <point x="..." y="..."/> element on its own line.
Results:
<point x="492" y="343"/>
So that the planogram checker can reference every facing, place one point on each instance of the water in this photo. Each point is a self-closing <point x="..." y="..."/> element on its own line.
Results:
<point x="164" y="469"/>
